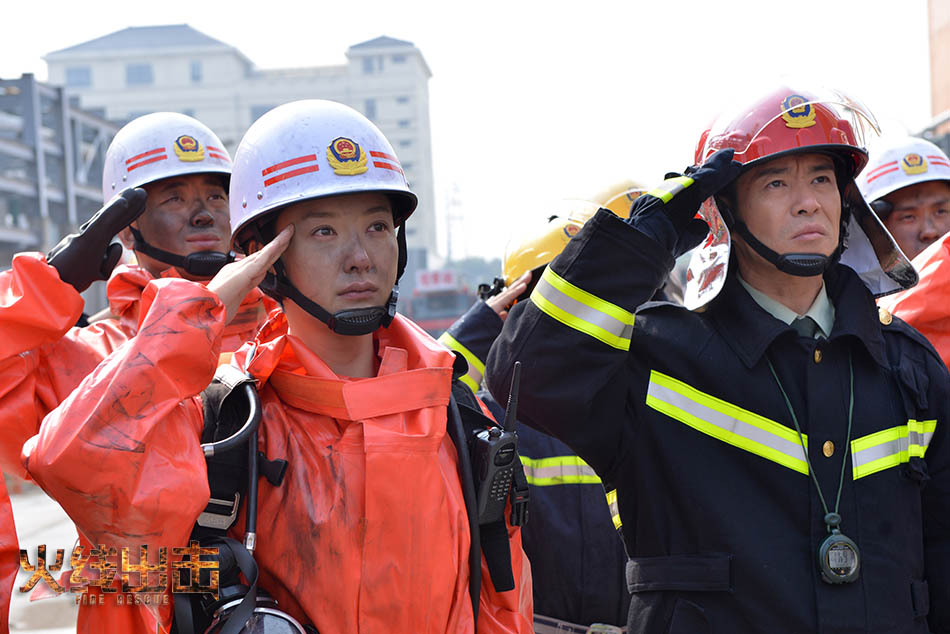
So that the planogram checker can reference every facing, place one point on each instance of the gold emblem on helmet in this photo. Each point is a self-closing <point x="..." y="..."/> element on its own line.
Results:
<point x="189" y="149"/>
<point x="797" y="112"/>
<point x="346" y="157"/>
<point x="913" y="164"/>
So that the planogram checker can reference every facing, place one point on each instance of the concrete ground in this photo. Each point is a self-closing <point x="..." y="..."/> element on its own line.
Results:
<point x="40" y="520"/>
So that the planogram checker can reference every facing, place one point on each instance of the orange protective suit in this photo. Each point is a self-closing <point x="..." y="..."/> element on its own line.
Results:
<point x="925" y="306"/>
<point x="43" y="357"/>
<point x="367" y="533"/>
<point x="9" y="557"/>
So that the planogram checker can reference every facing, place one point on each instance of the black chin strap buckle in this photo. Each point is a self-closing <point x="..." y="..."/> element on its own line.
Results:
<point x="200" y="264"/>
<point x="802" y="264"/>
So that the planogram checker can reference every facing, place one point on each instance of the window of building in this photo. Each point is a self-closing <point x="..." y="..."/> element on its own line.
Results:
<point x="258" y="111"/>
<point x="405" y="143"/>
<point x="369" y="108"/>
<point x="78" y="76"/>
<point x="196" y="71"/>
<point x="402" y="99"/>
<point x="399" y="59"/>
<point x="188" y="112"/>
<point x="403" y="123"/>
<point x="369" y="65"/>
<point x="138" y="74"/>
<point x="407" y="166"/>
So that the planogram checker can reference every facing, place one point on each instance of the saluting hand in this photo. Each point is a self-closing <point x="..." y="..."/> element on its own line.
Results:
<point x="237" y="279"/>
<point x="501" y="302"/>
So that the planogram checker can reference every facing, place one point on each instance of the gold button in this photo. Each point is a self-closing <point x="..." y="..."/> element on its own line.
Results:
<point x="884" y="316"/>
<point x="817" y="355"/>
<point x="828" y="448"/>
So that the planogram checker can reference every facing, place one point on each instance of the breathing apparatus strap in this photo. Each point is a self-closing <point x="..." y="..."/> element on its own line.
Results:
<point x="227" y="481"/>
<point x="200" y="264"/>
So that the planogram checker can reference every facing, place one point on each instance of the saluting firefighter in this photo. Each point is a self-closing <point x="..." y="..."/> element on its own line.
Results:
<point x="571" y="539"/>
<point x="779" y="446"/>
<point x="165" y="193"/>
<point x="367" y="531"/>
<point x="907" y="183"/>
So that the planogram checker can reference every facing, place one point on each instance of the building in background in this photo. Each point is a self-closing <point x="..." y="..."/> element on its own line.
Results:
<point x="51" y="155"/>
<point x="938" y="26"/>
<point x="177" y="68"/>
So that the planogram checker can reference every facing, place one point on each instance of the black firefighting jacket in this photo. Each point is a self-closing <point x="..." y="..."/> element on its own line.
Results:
<point x="577" y="558"/>
<point x="679" y="411"/>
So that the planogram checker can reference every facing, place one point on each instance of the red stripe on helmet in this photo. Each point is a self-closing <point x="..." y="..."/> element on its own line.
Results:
<point x="388" y="157"/>
<point x="288" y="163"/>
<point x="215" y="149"/>
<point x="218" y="156"/>
<point x="144" y="154"/>
<point x="879" y="174"/>
<point x="291" y="174"/>
<point x="880" y="167"/>
<point x="146" y="162"/>
<point x="388" y="167"/>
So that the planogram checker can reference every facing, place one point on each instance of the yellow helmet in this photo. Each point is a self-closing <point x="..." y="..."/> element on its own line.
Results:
<point x="542" y="245"/>
<point x="619" y="197"/>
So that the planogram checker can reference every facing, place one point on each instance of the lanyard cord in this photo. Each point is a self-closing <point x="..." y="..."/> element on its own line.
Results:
<point x="801" y="438"/>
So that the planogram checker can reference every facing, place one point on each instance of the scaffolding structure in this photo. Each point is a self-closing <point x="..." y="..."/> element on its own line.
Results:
<point x="51" y="160"/>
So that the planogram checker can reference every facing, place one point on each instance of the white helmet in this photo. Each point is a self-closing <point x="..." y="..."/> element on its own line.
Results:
<point x="311" y="149"/>
<point x="900" y="162"/>
<point x="160" y="145"/>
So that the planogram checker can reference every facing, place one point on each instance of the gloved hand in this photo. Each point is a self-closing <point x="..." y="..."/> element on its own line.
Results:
<point x="84" y="257"/>
<point x="667" y="213"/>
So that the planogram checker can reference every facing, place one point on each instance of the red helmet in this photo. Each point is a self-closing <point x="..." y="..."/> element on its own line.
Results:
<point x="788" y="121"/>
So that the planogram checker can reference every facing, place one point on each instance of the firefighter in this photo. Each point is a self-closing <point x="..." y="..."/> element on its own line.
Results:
<point x="367" y="531"/>
<point x="907" y="182"/>
<point x="778" y="445"/>
<point x="180" y="230"/>
<point x="571" y="539"/>
<point x="184" y="168"/>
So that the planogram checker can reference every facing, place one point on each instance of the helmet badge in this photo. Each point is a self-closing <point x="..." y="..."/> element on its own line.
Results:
<point x="913" y="164"/>
<point x="346" y="157"/>
<point x="570" y="230"/>
<point x="797" y="112"/>
<point x="189" y="149"/>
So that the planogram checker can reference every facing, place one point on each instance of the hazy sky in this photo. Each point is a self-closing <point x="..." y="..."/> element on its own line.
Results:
<point x="531" y="104"/>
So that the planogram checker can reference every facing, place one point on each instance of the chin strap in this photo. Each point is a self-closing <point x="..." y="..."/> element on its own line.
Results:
<point x="354" y="322"/>
<point x="797" y="264"/>
<point x="200" y="264"/>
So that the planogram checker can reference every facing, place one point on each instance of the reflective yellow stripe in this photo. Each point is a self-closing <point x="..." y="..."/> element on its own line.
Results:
<point x="670" y="187"/>
<point x="614" y="509"/>
<point x="225" y="358"/>
<point x="558" y="470"/>
<point x="575" y="307"/>
<point x="890" y="447"/>
<point x="727" y="422"/>
<point x="476" y="369"/>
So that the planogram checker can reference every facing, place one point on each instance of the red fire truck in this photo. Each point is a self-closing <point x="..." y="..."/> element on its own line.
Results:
<point x="438" y="299"/>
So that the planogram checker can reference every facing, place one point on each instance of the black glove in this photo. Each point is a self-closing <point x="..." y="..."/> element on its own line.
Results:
<point x="84" y="257"/>
<point x="667" y="212"/>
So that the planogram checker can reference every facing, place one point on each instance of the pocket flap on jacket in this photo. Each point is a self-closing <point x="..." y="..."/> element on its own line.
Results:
<point x="697" y="573"/>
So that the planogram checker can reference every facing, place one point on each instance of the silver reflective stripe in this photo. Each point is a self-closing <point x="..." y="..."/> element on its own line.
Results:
<point x="890" y="447"/>
<point x="726" y="422"/>
<point x="670" y="187"/>
<point x="583" y="312"/>
<point x="558" y="470"/>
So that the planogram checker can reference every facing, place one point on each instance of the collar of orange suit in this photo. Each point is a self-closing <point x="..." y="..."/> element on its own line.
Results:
<point x="127" y="283"/>
<point x="415" y="372"/>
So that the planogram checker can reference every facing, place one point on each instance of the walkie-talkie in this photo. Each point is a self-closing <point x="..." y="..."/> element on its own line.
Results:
<point x="495" y="458"/>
